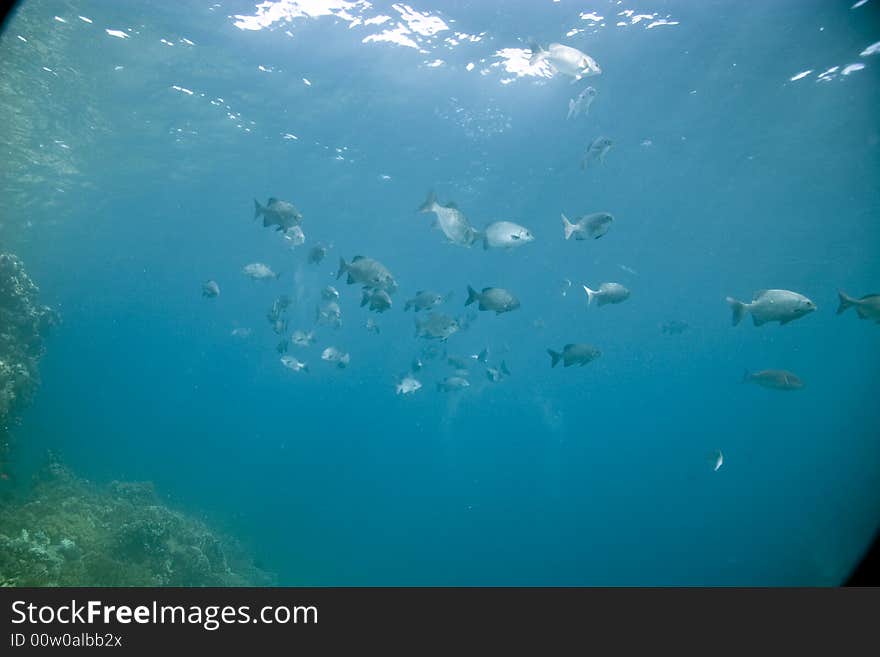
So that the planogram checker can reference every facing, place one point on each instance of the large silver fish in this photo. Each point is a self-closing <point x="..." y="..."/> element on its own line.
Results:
<point x="588" y="227"/>
<point x="781" y="306"/>
<point x="581" y="103"/>
<point x="493" y="298"/>
<point x="506" y="235"/>
<point x="566" y="60"/>
<point x="451" y="221"/>
<point x="597" y="150"/>
<point x="281" y="214"/>
<point x="367" y="272"/>
<point x="607" y="293"/>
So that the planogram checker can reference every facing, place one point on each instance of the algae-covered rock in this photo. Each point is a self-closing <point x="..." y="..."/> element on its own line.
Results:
<point x="69" y="532"/>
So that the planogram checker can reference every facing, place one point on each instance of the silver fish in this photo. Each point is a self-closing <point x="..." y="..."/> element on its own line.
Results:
<point x="868" y="307"/>
<point x="367" y="272"/>
<point x="317" y="253"/>
<point x="451" y="221"/>
<point x="582" y="103"/>
<point x="777" y="379"/>
<point x="281" y="214"/>
<point x="210" y="289"/>
<point x="329" y="313"/>
<point x="337" y="356"/>
<point x="259" y="272"/>
<point x="372" y="326"/>
<point x="574" y="354"/>
<point x="292" y="363"/>
<point x="425" y="300"/>
<point x="436" y="326"/>
<point x="781" y="306"/>
<point x="506" y="235"/>
<point x="379" y="300"/>
<point x="496" y="374"/>
<point x="597" y="150"/>
<point x="588" y="227"/>
<point x="566" y="60"/>
<point x="451" y="383"/>
<point x="607" y="293"/>
<point x="302" y="338"/>
<point x="295" y="236"/>
<point x="493" y="298"/>
<point x="330" y="293"/>
<point x="408" y="385"/>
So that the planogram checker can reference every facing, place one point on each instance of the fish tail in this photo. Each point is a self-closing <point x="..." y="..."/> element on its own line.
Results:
<point x="590" y="294"/>
<point x="429" y="203"/>
<point x="473" y="295"/>
<point x="567" y="226"/>
<point x="739" y="310"/>
<point x="747" y="376"/>
<point x="845" y="301"/>
<point x="504" y="368"/>
<point x="554" y="357"/>
<point x="365" y="299"/>
<point x="258" y="209"/>
<point x="483" y="356"/>
<point x="342" y="268"/>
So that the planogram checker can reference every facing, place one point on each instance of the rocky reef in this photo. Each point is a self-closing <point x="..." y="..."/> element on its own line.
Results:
<point x="69" y="532"/>
<point x="24" y="324"/>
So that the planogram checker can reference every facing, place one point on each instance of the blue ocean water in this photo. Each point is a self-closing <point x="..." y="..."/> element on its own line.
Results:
<point x="730" y="172"/>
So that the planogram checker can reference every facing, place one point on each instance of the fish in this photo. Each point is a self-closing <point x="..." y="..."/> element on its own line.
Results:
<point x="337" y="356"/>
<point x="716" y="460"/>
<point x="597" y="150"/>
<point x="868" y="307"/>
<point x="317" y="253"/>
<point x="281" y="214"/>
<point x="241" y="332"/>
<point x="330" y="293"/>
<point x="781" y="306"/>
<point x="565" y="60"/>
<point x="379" y="300"/>
<point x="210" y="289"/>
<point x="436" y="326"/>
<point x="408" y="385"/>
<point x="302" y="338"/>
<point x="372" y="325"/>
<point x="451" y="383"/>
<point x="588" y="227"/>
<point x="259" y="272"/>
<point x="674" y="327"/>
<point x="295" y="236"/>
<point x="292" y="363"/>
<point x="581" y="103"/>
<point x="282" y="345"/>
<point x="496" y="374"/>
<point x="367" y="272"/>
<point x="493" y="298"/>
<point x="565" y="285"/>
<point x="279" y="326"/>
<point x="425" y="300"/>
<point x="451" y="221"/>
<point x="607" y="293"/>
<point x="777" y="379"/>
<point x="329" y="313"/>
<point x="574" y="354"/>
<point x="506" y="235"/>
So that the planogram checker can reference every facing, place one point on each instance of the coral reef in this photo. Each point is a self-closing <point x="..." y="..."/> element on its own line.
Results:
<point x="23" y="325"/>
<point x="72" y="533"/>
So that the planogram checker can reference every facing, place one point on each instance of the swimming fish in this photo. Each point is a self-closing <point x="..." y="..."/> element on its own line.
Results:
<point x="451" y="383"/>
<point x="210" y="289"/>
<point x="588" y="227"/>
<point x="337" y="356"/>
<point x="436" y="326"/>
<point x="493" y="298"/>
<point x="372" y="325"/>
<point x="259" y="272"/>
<point x="566" y="60"/>
<point x="868" y="307"/>
<point x="582" y="103"/>
<point x="607" y="293"/>
<point x="674" y="327"/>
<point x="451" y="221"/>
<point x="777" y="379"/>
<point x="781" y="306"/>
<point x="292" y="363"/>
<point x="317" y="253"/>
<point x="330" y="293"/>
<point x="425" y="300"/>
<point x="367" y="272"/>
<point x="379" y="300"/>
<point x="496" y="374"/>
<point x="574" y="354"/>
<point x="597" y="150"/>
<point x="506" y="235"/>
<point x="329" y="313"/>
<point x="408" y="385"/>
<point x="295" y="236"/>
<point x="281" y="214"/>
<point x="302" y="338"/>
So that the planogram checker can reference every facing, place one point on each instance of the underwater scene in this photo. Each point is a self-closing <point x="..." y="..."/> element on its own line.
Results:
<point x="458" y="292"/>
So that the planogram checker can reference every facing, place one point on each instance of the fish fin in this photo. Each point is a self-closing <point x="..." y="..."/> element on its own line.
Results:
<point x="554" y="357"/>
<point x="365" y="299"/>
<point x="452" y="205"/>
<point x="538" y="53"/>
<point x="759" y="322"/>
<point x="739" y="310"/>
<point x="747" y="376"/>
<point x="758" y="294"/>
<point x="483" y="356"/>
<point x="567" y="226"/>
<point x="473" y="295"/>
<point x="845" y="301"/>
<point x="350" y="279"/>
<point x="356" y="258"/>
<point x="430" y="200"/>
<point x="782" y="322"/>
<point x="485" y="242"/>
<point x="861" y="312"/>
<point x="343" y="267"/>
<point x="258" y="209"/>
<point x="504" y="368"/>
<point x="590" y="294"/>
